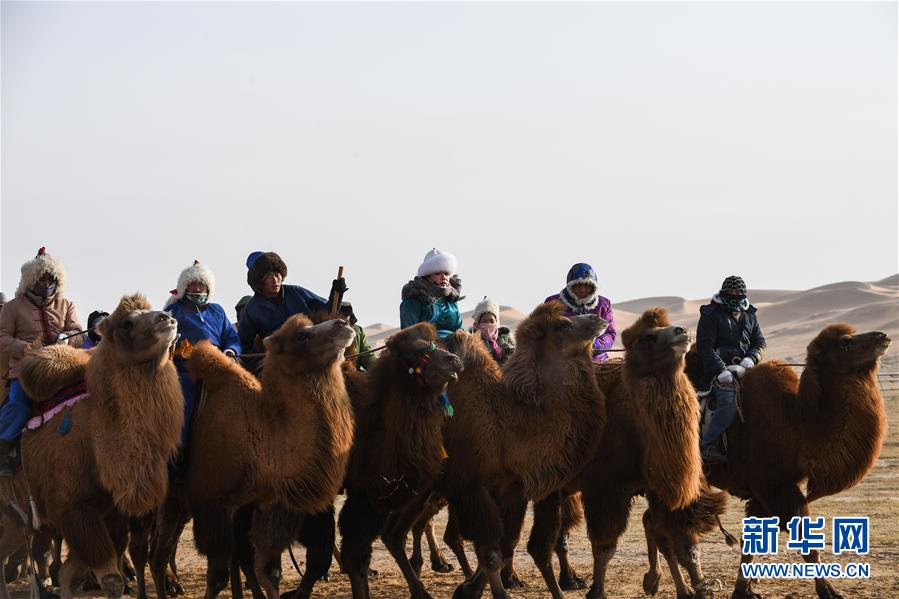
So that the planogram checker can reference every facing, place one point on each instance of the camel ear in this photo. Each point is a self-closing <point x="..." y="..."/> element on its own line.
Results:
<point x="272" y="344"/>
<point x="420" y="345"/>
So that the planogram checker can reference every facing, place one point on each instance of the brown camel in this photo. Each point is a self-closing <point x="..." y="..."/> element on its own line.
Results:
<point x="105" y="458"/>
<point x="825" y="428"/>
<point x="398" y="453"/>
<point x="285" y="439"/>
<point x="650" y="445"/>
<point x="519" y="434"/>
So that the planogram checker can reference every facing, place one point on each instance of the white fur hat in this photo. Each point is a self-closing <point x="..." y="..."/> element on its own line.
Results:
<point x="486" y="306"/>
<point x="35" y="268"/>
<point x="437" y="261"/>
<point x="196" y="273"/>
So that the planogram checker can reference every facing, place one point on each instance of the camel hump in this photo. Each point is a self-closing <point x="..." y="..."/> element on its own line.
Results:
<point x="46" y="372"/>
<point x="214" y="368"/>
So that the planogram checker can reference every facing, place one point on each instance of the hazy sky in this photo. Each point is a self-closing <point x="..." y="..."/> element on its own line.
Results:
<point x="669" y="145"/>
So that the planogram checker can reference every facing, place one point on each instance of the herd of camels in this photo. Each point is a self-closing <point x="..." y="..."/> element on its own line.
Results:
<point x="268" y="456"/>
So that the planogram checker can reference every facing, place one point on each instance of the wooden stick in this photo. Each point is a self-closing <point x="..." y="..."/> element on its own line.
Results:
<point x="335" y="303"/>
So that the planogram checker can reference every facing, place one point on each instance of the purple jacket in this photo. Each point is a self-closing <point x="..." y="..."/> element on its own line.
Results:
<point x="604" y="309"/>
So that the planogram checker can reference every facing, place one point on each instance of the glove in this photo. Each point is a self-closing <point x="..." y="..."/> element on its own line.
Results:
<point x="61" y="338"/>
<point x="231" y="354"/>
<point x="339" y="285"/>
<point x="726" y="378"/>
<point x="747" y="362"/>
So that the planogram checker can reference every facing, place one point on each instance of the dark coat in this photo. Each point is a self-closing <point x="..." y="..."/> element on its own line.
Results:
<point x="720" y="339"/>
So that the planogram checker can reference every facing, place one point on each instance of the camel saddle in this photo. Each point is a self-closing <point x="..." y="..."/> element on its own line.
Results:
<point x="43" y="411"/>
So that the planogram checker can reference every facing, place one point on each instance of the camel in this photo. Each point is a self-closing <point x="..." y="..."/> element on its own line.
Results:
<point x="283" y="439"/>
<point x="398" y="453"/>
<point x="825" y="427"/>
<point x="520" y="433"/>
<point x="104" y="458"/>
<point x="652" y="432"/>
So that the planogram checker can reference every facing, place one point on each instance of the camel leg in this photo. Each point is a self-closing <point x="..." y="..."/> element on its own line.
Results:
<point x="10" y="540"/>
<point x="318" y="536"/>
<point x="213" y="531"/>
<point x="168" y="523"/>
<point x="416" y="559"/>
<point x="454" y="541"/>
<point x="653" y="576"/>
<point x="607" y="516"/>
<point x="70" y="573"/>
<point x="56" y="565"/>
<point x="672" y="559"/>
<point x="97" y="542"/>
<point x="438" y="558"/>
<point x="394" y="535"/>
<point x="544" y="532"/>
<point x="572" y="513"/>
<point x="513" y="507"/>
<point x="267" y="543"/>
<point x="139" y="549"/>
<point x="359" y="527"/>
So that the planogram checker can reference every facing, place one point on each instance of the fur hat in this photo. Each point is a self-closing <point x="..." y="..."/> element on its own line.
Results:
<point x="195" y="273"/>
<point x="436" y="261"/>
<point x="486" y="306"/>
<point x="37" y="267"/>
<point x="262" y="265"/>
<point x="578" y="274"/>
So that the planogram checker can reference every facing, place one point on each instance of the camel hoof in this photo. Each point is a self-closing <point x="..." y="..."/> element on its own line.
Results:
<point x="570" y="581"/>
<point x="113" y="585"/>
<point x="500" y="595"/>
<point x="829" y="593"/>
<point x="512" y="582"/>
<point x="651" y="582"/>
<point x="745" y="594"/>
<point x="596" y="592"/>
<point x="703" y="594"/>
<point x="416" y="563"/>
<point x="467" y="592"/>
<point x="440" y="565"/>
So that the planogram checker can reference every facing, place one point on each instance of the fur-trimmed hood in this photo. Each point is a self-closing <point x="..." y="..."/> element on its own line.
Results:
<point x="35" y="268"/>
<point x="195" y="273"/>
<point x="426" y="292"/>
<point x="580" y="273"/>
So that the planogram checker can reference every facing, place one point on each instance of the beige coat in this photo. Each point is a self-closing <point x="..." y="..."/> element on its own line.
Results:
<point x="21" y="322"/>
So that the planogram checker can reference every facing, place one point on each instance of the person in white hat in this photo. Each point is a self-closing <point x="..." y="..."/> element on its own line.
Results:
<point x="498" y="339"/>
<point x="198" y="319"/>
<point x="433" y="295"/>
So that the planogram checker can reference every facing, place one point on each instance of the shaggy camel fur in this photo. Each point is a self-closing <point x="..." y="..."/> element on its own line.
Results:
<point x="825" y="428"/>
<point x="111" y="462"/>
<point x="521" y="433"/>
<point x="652" y="432"/>
<point x="285" y="439"/>
<point x="398" y="452"/>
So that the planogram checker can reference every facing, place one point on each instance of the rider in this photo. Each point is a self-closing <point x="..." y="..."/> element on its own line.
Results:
<point x="581" y="296"/>
<point x="728" y="333"/>
<point x="433" y="295"/>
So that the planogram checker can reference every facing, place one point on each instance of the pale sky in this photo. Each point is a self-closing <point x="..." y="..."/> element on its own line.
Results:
<point x="668" y="145"/>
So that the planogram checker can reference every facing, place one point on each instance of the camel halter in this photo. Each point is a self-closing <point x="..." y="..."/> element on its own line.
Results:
<point x="423" y="361"/>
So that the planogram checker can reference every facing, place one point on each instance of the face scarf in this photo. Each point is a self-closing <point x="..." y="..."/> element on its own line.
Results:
<point x="41" y="295"/>
<point x="490" y="332"/>
<point x="198" y="298"/>
<point x="734" y="303"/>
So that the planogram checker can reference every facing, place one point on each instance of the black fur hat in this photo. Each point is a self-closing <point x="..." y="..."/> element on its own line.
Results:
<point x="264" y="264"/>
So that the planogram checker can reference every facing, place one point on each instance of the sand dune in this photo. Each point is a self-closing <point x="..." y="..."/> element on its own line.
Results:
<point x="789" y="318"/>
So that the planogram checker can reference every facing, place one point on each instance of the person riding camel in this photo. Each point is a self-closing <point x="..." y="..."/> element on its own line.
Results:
<point x="728" y="333"/>
<point x="273" y="302"/>
<point x="433" y="295"/>
<point x="581" y="296"/>
<point x="360" y="343"/>
<point x="498" y="339"/>
<point x="198" y="319"/>
<point x="38" y="313"/>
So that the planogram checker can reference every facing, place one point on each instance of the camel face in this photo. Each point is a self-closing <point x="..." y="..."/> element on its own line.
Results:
<point x="657" y="348"/>
<point x="139" y="335"/>
<point x="417" y="349"/>
<point x="839" y="349"/>
<point x="304" y="347"/>
<point x="551" y="333"/>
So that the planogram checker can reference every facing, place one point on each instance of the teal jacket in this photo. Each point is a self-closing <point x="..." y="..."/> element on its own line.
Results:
<point x="424" y="302"/>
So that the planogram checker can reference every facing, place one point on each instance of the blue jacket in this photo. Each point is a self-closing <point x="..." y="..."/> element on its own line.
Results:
<point x="196" y="323"/>
<point x="720" y="339"/>
<point x="263" y="316"/>
<point x="421" y="304"/>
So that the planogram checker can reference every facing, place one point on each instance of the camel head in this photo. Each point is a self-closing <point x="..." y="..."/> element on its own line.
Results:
<point x="300" y="346"/>
<point x="839" y="349"/>
<point x="418" y="353"/>
<point x="547" y="332"/>
<point x="134" y="334"/>
<point x="653" y="344"/>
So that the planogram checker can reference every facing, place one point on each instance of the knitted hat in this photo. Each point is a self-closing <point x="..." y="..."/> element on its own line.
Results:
<point x="40" y="265"/>
<point x="486" y="306"/>
<point x="733" y="284"/>
<point x="263" y="264"/>
<point x="195" y="273"/>
<point x="436" y="261"/>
